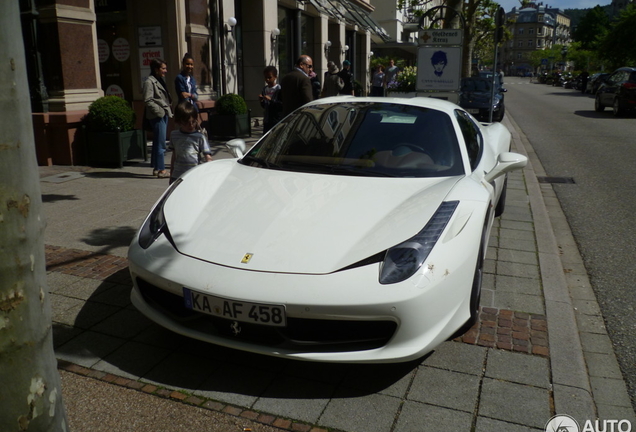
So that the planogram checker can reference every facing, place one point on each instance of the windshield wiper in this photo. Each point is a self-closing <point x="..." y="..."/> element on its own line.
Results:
<point x="260" y="161"/>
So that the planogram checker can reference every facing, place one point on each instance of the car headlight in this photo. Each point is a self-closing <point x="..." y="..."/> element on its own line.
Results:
<point x="155" y="224"/>
<point x="402" y="261"/>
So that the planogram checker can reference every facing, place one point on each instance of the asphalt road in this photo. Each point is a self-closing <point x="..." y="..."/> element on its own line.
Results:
<point x="598" y="151"/>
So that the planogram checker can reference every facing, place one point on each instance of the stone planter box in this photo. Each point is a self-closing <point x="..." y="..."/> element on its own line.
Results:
<point x="114" y="148"/>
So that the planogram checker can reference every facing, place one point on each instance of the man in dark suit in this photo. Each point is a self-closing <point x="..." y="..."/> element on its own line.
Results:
<point x="295" y="87"/>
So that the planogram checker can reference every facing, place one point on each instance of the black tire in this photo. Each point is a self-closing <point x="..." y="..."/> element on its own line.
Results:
<point x="475" y="293"/>
<point x="501" y="204"/>
<point x="501" y="113"/>
<point x="598" y="107"/>
<point x="617" y="109"/>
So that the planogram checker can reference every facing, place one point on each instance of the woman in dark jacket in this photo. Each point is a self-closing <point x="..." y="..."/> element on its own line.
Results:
<point x="158" y="111"/>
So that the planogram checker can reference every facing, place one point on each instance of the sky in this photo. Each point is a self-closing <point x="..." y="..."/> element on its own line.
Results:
<point x="561" y="4"/>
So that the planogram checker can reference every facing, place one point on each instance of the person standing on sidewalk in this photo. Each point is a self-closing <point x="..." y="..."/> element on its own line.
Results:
<point x="295" y="87"/>
<point x="347" y="79"/>
<point x="391" y="73"/>
<point x="189" y="146"/>
<point x="332" y="83"/>
<point x="378" y="82"/>
<point x="157" y="99"/>
<point x="270" y="99"/>
<point x="185" y="84"/>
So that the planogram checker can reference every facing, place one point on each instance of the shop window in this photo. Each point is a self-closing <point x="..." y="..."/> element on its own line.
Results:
<point x="114" y="44"/>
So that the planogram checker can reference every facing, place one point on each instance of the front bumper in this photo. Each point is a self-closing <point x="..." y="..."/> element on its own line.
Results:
<point x="346" y="316"/>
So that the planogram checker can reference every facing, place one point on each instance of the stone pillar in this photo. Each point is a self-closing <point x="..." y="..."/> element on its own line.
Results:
<point x="68" y="45"/>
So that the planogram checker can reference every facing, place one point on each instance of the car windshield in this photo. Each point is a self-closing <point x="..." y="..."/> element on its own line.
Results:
<point x="488" y="75"/>
<point x="475" y="85"/>
<point x="362" y="139"/>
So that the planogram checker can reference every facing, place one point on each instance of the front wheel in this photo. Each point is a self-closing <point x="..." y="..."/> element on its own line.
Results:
<point x="501" y="204"/>
<point x="475" y="293"/>
<point x="598" y="107"/>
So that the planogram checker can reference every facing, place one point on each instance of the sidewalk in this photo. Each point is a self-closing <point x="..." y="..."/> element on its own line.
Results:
<point x="540" y="347"/>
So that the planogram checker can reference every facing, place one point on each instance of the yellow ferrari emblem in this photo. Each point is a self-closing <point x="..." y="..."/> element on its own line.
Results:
<point x="246" y="258"/>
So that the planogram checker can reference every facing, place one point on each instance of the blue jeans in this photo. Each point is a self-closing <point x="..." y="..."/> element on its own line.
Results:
<point x="159" y="128"/>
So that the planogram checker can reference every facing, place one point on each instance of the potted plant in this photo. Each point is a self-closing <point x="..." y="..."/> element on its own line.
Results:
<point x="111" y="137"/>
<point x="232" y="118"/>
<point x="405" y="83"/>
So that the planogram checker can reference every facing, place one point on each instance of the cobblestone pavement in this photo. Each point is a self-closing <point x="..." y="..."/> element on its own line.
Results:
<point x="538" y="349"/>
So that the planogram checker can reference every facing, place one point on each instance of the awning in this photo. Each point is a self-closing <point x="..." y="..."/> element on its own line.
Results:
<point x="344" y="10"/>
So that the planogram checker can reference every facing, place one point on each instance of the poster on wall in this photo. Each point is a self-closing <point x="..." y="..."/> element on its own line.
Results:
<point x="145" y="57"/>
<point x="121" y="49"/>
<point x="115" y="90"/>
<point x="150" y="36"/>
<point x="439" y="68"/>
<point x="103" y="50"/>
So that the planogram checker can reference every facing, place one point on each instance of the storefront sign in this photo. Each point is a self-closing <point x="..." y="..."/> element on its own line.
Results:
<point x="439" y="68"/>
<point x="145" y="57"/>
<point x="441" y="37"/>
<point x="150" y="36"/>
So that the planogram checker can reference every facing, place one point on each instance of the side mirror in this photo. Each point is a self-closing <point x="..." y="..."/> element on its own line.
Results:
<point x="506" y="162"/>
<point x="236" y="147"/>
<point x="503" y="90"/>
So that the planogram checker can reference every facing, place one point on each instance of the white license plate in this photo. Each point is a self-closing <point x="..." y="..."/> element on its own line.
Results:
<point x="257" y="313"/>
<point x="473" y="110"/>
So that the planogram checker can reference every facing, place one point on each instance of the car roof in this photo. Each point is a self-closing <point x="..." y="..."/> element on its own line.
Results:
<point x="418" y="101"/>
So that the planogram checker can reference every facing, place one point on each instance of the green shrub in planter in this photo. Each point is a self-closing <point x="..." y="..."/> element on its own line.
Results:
<point x="111" y="137"/>
<point x="230" y="104"/>
<point x="110" y="114"/>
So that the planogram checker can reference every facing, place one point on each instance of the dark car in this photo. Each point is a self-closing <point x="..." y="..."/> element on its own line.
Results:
<point x="488" y="75"/>
<point x="476" y="96"/>
<point x="618" y="92"/>
<point x="595" y="82"/>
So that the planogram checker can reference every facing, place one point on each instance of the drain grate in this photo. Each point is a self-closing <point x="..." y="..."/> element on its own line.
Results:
<point x="560" y="180"/>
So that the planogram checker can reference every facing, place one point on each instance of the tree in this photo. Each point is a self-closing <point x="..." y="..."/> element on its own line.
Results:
<point x="31" y="395"/>
<point x="594" y="24"/>
<point x="478" y="23"/>
<point x="618" y="46"/>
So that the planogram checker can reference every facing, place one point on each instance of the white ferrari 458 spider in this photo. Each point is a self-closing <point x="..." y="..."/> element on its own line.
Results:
<point x="354" y="231"/>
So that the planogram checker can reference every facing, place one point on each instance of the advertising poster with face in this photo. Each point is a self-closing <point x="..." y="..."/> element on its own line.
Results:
<point x="439" y="68"/>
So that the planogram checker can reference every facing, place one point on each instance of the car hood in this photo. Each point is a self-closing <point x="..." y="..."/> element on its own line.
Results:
<point x="295" y="222"/>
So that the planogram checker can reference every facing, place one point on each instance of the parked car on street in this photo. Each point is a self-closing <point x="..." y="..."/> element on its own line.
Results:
<point x="488" y="75"/>
<point x="618" y="91"/>
<point x="595" y="82"/>
<point x="476" y="97"/>
<point x="353" y="231"/>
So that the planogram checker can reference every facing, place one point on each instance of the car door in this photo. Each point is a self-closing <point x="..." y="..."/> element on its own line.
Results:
<point x="610" y="88"/>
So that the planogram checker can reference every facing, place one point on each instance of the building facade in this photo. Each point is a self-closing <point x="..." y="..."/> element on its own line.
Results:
<point x="532" y="29"/>
<point x="79" y="50"/>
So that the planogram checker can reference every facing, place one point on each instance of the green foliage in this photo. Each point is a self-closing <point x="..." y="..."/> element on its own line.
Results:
<point x="231" y="104"/>
<point x="405" y="81"/>
<point x="618" y="46"/>
<point x="593" y="25"/>
<point x="110" y="114"/>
